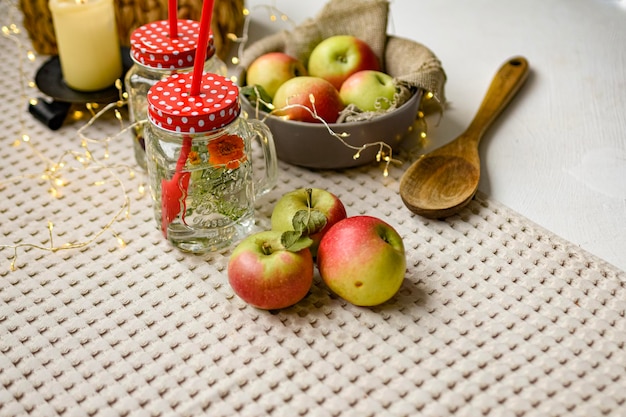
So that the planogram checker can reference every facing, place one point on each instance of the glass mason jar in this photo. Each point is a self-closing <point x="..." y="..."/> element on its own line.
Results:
<point x="156" y="56"/>
<point x="199" y="158"/>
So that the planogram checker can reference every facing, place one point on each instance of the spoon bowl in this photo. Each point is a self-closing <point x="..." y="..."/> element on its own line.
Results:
<point x="442" y="182"/>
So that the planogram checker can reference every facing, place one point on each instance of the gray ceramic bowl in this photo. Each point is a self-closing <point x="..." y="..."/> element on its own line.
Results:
<point x="311" y="145"/>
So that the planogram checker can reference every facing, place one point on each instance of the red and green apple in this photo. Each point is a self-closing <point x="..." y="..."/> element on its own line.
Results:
<point x="369" y="90"/>
<point x="362" y="260"/>
<point x="304" y="200"/>
<point x="272" y="69"/>
<point x="266" y="274"/>
<point x="338" y="57"/>
<point x="301" y="97"/>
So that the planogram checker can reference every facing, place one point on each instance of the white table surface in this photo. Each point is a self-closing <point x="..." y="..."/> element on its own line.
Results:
<point x="557" y="155"/>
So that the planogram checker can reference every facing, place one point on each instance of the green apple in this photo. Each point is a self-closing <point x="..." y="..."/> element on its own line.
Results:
<point x="295" y="96"/>
<point x="362" y="260"/>
<point x="369" y="90"/>
<point x="302" y="199"/>
<point x="271" y="70"/>
<point x="338" y="57"/>
<point x="266" y="274"/>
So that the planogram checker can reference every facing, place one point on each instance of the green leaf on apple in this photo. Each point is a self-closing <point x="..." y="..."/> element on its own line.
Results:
<point x="294" y="241"/>
<point x="256" y="94"/>
<point x="309" y="222"/>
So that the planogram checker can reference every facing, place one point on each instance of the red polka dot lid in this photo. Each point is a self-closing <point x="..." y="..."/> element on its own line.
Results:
<point x="171" y="107"/>
<point x="152" y="46"/>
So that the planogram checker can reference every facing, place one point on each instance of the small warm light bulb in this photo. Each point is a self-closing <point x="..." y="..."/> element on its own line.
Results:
<point x="50" y="225"/>
<point x="6" y="31"/>
<point x="121" y="242"/>
<point x="31" y="56"/>
<point x="25" y="138"/>
<point x="246" y="11"/>
<point x="235" y="60"/>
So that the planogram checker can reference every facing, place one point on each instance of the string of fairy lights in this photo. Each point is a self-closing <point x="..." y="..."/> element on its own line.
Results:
<point x="54" y="172"/>
<point x="93" y="154"/>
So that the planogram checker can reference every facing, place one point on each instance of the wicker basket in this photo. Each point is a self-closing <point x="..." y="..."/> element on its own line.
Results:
<point x="227" y="18"/>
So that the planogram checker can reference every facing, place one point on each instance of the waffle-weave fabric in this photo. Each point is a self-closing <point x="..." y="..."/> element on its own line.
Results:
<point x="496" y="317"/>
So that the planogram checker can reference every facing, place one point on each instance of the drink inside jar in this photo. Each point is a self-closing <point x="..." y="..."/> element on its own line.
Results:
<point x="207" y="204"/>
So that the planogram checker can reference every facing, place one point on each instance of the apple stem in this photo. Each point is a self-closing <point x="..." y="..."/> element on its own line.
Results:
<point x="309" y="198"/>
<point x="266" y="247"/>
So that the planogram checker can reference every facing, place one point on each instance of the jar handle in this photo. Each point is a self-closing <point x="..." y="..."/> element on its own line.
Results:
<point x="264" y="184"/>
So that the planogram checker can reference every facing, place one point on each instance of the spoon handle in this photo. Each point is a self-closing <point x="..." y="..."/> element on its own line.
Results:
<point x="504" y="85"/>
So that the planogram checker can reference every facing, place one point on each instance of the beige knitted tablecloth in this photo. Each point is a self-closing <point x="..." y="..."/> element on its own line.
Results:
<point x="497" y="316"/>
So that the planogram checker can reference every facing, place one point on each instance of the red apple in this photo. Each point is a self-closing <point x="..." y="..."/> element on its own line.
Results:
<point x="369" y="90"/>
<point x="301" y="199"/>
<point x="362" y="260"/>
<point x="301" y="92"/>
<point x="271" y="70"/>
<point x="268" y="276"/>
<point x="338" y="57"/>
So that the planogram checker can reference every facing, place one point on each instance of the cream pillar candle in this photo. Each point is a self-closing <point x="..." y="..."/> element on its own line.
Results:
<point x="87" y="41"/>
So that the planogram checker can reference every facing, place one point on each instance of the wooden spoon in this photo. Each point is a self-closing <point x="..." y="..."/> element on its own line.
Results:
<point x="442" y="182"/>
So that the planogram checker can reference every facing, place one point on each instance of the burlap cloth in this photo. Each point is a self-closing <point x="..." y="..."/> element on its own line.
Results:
<point x="409" y="62"/>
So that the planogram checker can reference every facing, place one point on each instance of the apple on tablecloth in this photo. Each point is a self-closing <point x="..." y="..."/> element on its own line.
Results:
<point x="303" y="200"/>
<point x="299" y="92"/>
<point x="271" y="70"/>
<point x="338" y="57"/>
<point x="362" y="260"/>
<point x="369" y="90"/>
<point x="266" y="274"/>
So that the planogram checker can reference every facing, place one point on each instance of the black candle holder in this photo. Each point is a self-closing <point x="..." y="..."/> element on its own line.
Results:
<point x="49" y="80"/>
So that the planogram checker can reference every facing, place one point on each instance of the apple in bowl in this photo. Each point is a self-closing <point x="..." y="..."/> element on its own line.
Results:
<point x="271" y="70"/>
<point x="338" y="57"/>
<point x="369" y="90"/>
<point x="303" y="98"/>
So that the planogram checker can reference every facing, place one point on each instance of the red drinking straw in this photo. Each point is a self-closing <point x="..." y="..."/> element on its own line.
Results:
<point x="174" y="191"/>
<point x="203" y="41"/>
<point x="172" y="14"/>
